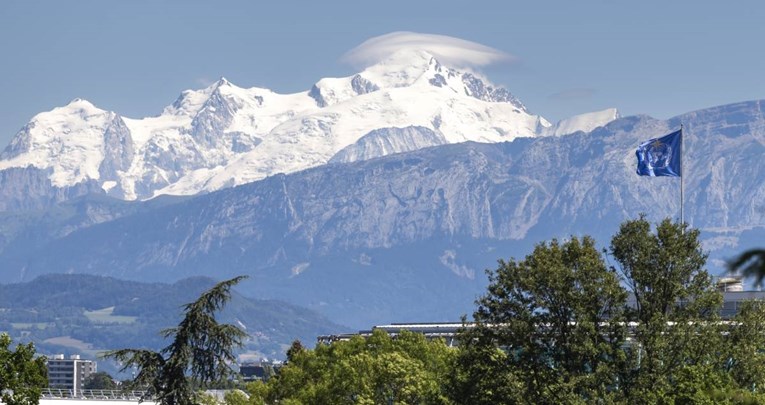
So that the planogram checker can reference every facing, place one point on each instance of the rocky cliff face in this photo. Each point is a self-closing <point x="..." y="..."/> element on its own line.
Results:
<point x="387" y="141"/>
<point x="119" y="154"/>
<point x="407" y="235"/>
<point x="29" y="188"/>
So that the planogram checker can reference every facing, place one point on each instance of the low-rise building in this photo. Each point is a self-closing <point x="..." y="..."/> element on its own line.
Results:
<point x="732" y="289"/>
<point x="261" y="370"/>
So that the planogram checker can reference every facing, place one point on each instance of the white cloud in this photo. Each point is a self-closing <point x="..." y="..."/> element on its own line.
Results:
<point x="449" y="50"/>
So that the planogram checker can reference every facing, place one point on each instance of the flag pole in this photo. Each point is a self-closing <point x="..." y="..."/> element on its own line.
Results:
<point x="682" y="176"/>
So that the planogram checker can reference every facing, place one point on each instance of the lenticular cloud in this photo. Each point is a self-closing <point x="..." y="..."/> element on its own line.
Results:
<point x="454" y="51"/>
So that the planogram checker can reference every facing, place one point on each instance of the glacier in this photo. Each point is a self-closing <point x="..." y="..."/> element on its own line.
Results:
<point x="223" y="135"/>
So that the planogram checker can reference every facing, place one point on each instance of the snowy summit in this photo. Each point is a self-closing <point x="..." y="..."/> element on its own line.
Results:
<point x="224" y="135"/>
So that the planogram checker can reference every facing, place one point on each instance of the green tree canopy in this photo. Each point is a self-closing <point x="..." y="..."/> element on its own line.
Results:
<point x="200" y="353"/>
<point x="558" y="318"/>
<point x="100" y="381"/>
<point x="676" y="306"/>
<point x="406" y="369"/>
<point x="561" y="326"/>
<point x="22" y="374"/>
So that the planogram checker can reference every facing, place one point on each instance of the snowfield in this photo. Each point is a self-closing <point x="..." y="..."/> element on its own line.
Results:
<point x="224" y="135"/>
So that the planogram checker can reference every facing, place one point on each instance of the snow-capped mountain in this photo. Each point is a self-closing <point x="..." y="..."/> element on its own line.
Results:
<point x="582" y="122"/>
<point x="405" y="237"/>
<point x="71" y="139"/>
<point x="225" y="135"/>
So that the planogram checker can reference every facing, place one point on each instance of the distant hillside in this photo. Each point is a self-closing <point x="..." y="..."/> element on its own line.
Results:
<point x="85" y="314"/>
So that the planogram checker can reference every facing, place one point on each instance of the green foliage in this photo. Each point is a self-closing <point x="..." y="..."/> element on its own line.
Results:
<point x="78" y="306"/>
<point x="258" y="391"/>
<point x="664" y="270"/>
<point x="559" y="326"/>
<point x="100" y="381"/>
<point x="676" y="306"/>
<point x="745" y="356"/>
<point x="235" y="397"/>
<point x="295" y="350"/>
<point x="200" y="346"/>
<point x="206" y="399"/>
<point x="230" y="397"/>
<point x="558" y="317"/>
<point x="483" y="375"/>
<point x="22" y="375"/>
<point x="377" y="370"/>
<point x="551" y="328"/>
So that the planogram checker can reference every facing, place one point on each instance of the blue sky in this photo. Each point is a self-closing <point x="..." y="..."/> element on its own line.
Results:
<point x="660" y="58"/>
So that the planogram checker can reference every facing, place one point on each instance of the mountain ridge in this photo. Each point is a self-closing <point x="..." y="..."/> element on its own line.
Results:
<point x="224" y="135"/>
<point x="106" y="313"/>
<point x="407" y="234"/>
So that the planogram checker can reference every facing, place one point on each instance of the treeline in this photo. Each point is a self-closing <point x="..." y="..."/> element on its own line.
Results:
<point x="55" y="305"/>
<point x="55" y="295"/>
<point x="637" y="323"/>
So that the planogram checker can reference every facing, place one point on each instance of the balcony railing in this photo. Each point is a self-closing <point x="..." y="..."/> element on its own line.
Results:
<point x="112" y="395"/>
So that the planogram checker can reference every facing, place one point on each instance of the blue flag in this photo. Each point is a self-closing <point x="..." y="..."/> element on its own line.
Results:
<point x="660" y="156"/>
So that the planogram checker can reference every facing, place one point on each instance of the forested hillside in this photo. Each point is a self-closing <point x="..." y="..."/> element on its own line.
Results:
<point x="85" y="314"/>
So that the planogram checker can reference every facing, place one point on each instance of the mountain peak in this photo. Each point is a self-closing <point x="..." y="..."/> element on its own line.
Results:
<point x="222" y="83"/>
<point x="402" y="68"/>
<point x="212" y="88"/>
<point x="221" y="135"/>
<point x="191" y="101"/>
<point x="583" y="122"/>
<point x="408" y="66"/>
<point x="78" y="107"/>
<point x="80" y="103"/>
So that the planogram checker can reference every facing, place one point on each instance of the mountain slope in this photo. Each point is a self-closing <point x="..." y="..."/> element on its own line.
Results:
<point x="107" y="313"/>
<point x="225" y="135"/>
<point x="405" y="237"/>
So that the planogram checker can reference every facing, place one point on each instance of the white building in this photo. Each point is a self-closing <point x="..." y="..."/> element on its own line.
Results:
<point x="69" y="374"/>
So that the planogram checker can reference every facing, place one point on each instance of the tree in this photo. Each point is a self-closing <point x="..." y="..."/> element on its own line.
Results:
<point x="551" y="325"/>
<point x="22" y="375"/>
<point x="552" y="328"/>
<point x="379" y="369"/>
<point x="676" y="309"/>
<point x="100" y="381"/>
<point x="235" y="397"/>
<point x="295" y="350"/>
<point x="745" y="358"/>
<point x="201" y="347"/>
<point x="751" y="263"/>
<point x="484" y="374"/>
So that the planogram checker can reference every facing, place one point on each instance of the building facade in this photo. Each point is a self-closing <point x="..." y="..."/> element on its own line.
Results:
<point x="69" y="373"/>
<point x="259" y="371"/>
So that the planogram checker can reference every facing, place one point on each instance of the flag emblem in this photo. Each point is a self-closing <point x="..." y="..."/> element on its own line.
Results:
<point x="660" y="156"/>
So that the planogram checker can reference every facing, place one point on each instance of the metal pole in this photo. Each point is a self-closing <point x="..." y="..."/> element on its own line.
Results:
<point x="682" y="177"/>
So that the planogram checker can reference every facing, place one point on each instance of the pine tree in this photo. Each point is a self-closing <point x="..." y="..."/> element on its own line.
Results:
<point x="201" y="351"/>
